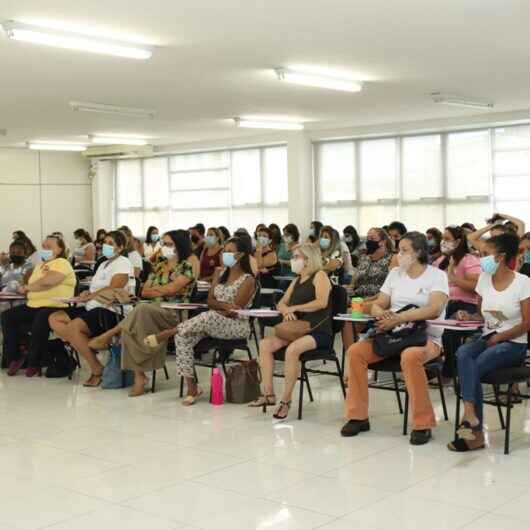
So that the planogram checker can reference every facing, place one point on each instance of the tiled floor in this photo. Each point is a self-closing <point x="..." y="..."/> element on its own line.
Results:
<point x="84" y="459"/>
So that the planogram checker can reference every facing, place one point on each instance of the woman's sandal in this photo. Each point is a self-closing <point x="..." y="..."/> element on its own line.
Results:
<point x="283" y="404"/>
<point x="264" y="402"/>
<point x="93" y="381"/>
<point x="466" y="431"/>
<point x="191" y="400"/>
<point x="473" y="441"/>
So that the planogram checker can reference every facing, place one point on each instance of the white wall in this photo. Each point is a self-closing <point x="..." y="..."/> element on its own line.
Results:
<point x="43" y="191"/>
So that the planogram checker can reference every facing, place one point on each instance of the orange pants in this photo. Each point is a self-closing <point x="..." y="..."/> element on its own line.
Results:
<point x="362" y="354"/>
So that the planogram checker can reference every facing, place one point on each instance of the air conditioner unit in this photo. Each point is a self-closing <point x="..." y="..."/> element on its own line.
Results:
<point x="118" y="151"/>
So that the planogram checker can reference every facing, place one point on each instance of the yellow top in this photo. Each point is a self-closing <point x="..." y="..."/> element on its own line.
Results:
<point x="64" y="290"/>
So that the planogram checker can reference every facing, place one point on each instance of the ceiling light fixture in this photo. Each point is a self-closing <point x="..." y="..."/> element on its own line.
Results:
<point x="129" y="112"/>
<point x="52" y="146"/>
<point x="265" y="124"/>
<point x="320" y="81"/>
<point x="117" y="140"/>
<point x="75" y="41"/>
<point x="461" y="101"/>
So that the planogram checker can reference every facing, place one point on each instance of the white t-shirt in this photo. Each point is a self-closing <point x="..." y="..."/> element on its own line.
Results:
<point x="135" y="259"/>
<point x="404" y="290"/>
<point x="346" y="256"/>
<point x="502" y="309"/>
<point x="150" y="250"/>
<point x="104" y="274"/>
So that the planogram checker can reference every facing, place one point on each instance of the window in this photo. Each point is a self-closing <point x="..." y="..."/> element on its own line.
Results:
<point x="378" y="170"/>
<point x="231" y="188"/>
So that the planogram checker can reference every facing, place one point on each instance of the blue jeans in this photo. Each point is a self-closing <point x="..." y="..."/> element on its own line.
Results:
<point x="476" y="359"/>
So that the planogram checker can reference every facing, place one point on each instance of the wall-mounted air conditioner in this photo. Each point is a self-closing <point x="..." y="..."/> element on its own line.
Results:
<point x="118" y="151"/>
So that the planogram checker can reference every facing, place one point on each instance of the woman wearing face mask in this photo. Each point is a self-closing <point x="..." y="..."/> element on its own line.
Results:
<point x="434" y="238"/>
<point x="353" y="242"/>
<point x="266" y="258"/>
<point x="14" y="273"/>
<point x="291" y="238"/>
<point x="505" y="305"/>
<point x="524" y="255"/>
<point x="131" y="252"/>
<point x="314" y="232"/>
<point x="495" y="227"/>
<point x="463" y="271"/>
<point x="53" y="278"/>
<point x="211" y="255"/>
<point x="85" y="251"/>
<point x="308" y="298"/>
<point x="77" y="325"/>
<point x="171" y="278"/>
<point x="152" y="244"/>
<point x="413" y="282"/>
<point x="232" y="288"/>
<point x="32" y="254"/>
<point x="330" y="248"/>
<point x="396" y="230"/>
<point x="100" y="240"/>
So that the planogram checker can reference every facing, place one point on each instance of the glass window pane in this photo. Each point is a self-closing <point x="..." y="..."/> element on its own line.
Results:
<point x="183" y="219"/>
<point x="378" y="169"/>
<point x="218" y="159"/>
<point x="422" y="175"/>
<point x="246" y="218"/>
<point x="512" y="137"/>
<point x="512" y="188"/>
<point x="422" y="216"/>
<point x="519" y="209"/>
<point x="468" y="164"/>
<point x="280" y="216"/>
<point x="156" y="194"/>
<point x="185" y="200"/>
<point x="200" y="180"/>
<point x="275" y="183"/>
<point x="336" y="171"/>
<point x="129" y="185"/>
<point x="246" y="182"/>
<point x="134" y="220"/>
<point x="467" y="212"/>
<point x="338" y="217"/>
<point x="512" y="162"/>
<point x="376" y="216"/>
<point x="160" y="219"/>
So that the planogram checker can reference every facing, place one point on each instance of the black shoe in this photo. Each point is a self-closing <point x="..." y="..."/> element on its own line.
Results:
<point x="354" y="427"/>
<point x="420" y="437"/>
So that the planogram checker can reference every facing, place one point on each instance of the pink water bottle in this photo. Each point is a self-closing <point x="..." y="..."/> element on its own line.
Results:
<point x="216" y="388"/>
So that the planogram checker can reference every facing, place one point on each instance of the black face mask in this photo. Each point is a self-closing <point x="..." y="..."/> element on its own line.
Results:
<point x="16" y="260"/>
<point x="371" y="246"/>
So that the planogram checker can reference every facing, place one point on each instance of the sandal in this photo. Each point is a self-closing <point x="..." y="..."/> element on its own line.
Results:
<point x="93" y="381"/>
<point x="466" y="431"/>
<point x="277" y="415"/>
<point x="190" y="400"/>
<point x="474" y="443"/>
<point x="264" y="402"/>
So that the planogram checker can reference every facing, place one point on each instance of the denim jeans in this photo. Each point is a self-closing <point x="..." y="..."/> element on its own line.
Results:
<point x="476" y="359"/>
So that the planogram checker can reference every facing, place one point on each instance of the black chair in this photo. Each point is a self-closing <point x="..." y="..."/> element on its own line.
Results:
<point x="339" y="301"/>
<point x="393" y="365"/>
<point x="153" y="378"/>
<point x="504" y="376"/>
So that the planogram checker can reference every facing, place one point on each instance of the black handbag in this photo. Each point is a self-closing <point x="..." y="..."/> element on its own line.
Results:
<point x="406" y="335"/>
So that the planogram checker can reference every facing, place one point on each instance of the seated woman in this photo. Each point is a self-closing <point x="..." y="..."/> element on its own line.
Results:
<point x="314" y="232"/>
<point x="85" y="252"/>
<point x="99" y="241"/>
<point x="266" y="258"/>
<point x="434" y="239"/>
<point x="232" y="288"/>
<point x="290" y="239"/>
<point x="51" y="280"/>
<point x="151" y="244"/>
<point x="172" y="277"/>
<point x="77" y="325"/>
<point x="332" y="259"/>
<point x="505" y="305"/>
<point x="131" y="251"/>
<point x="353" y="242"/>
<point x="211" y="255"/>
<point x="413" y="282"/>
<point x="463" y="270"/>
<point x="307" y="298"/>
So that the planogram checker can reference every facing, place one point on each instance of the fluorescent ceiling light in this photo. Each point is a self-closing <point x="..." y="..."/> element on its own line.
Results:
<point x="129" y="112"/>
<point x="117" y="140"/>
<point x="265" y="124"/>
<point x="320" y="81"/>
<point x="52" y="146"/>
<point x="75" y="41"/>
<point x="461" y="101"/>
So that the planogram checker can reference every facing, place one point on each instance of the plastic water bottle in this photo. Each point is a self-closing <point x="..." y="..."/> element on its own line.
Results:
<point x="216" y="386"/>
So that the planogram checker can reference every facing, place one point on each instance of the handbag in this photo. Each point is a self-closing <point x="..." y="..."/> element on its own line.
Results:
<point x="111" y="296"/>
<point x="243" y="382"/>
<point x="406" y="335"/>
<point x="113" y="376"/>
<point x="291" y="330"/>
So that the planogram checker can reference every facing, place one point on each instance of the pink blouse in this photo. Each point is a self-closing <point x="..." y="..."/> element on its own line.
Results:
<point x="469" y="264"/>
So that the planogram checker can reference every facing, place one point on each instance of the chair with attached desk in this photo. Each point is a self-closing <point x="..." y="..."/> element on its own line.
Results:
<point x="339" y="303"/>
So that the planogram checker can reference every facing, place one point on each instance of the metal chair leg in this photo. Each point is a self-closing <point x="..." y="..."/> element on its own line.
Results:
<point x="442" y="394"/>
<point x="457" y="413"/>
<point x="341" y="378"/>
<point x="398" y="393"/>
<point x="508" y="420"/>
<point x="153" y="382"/>
<point x="309" y="391"/>
<point x="166" y="372"/>
<point x="406" y="415"/>
<point x="498" y="403"/>
<point x="181" y="386"/>
<point x="303" y="377"/>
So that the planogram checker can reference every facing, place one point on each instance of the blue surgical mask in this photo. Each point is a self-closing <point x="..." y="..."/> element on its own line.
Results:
<point x="527" y="257"/>
<point x="489" y="265"/>
<point x="211" y="241"/>
<point x="431" y="243"/>
<point x="263" y="241"/>
<point x="108" y="251"/>
<point x="325" y="243"/>
<point x="45" y="254"/>
<point x="155" y="237"/>
<point x="229" y="259"/>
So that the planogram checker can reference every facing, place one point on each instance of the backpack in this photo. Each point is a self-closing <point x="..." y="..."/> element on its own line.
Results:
<point x="58" y="361"/>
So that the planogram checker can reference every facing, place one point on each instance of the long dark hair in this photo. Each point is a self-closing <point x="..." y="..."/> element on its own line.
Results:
<point x="276" y="234"/>
<point x="82" y="233"/>
<point x="507" y="244"/>
<point x="182" y="241"/>
<point x="226" y="234"/>
<point x="293" y="231"/>
<point x="30" y="247"/>
<point x="355" y="239"/>
<point x="461" y="250"/>
<point x="120" y="239"/>
<point x="244" y="247"/>
<point x="149" y="234"/>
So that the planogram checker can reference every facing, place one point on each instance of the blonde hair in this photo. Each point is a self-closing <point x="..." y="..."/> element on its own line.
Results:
<point x="313" y="255"/>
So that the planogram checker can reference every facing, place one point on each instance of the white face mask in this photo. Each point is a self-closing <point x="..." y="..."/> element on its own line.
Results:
<point x="168" y="252"/>
<point x="447" y="247"/>
<point x="297" y="265"/>
<point x="405" y="261"/>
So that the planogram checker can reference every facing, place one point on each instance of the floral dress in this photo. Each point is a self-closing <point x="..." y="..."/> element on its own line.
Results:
<point x="161" y="276"/>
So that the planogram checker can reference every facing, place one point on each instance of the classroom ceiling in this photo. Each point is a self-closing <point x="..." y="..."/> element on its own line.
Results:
<point x="214" y="58"/>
